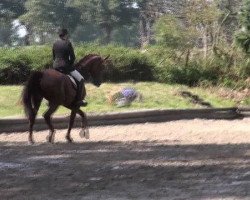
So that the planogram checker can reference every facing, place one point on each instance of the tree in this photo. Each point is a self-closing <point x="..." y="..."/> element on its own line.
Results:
<point x="107" y="14"/>
<point x="229" y="20"/>
<point x="44" y="17"/>
<point x="172" y="33"/>
<point x="9" y="10"/>
<point x="5" y="34"/>
<point x="148" y="11"/>
<point x="203" y="15"/>
<point x="243" y="36"/>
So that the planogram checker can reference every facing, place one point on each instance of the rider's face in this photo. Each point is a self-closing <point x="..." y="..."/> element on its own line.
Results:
<point x="65" y="37"/>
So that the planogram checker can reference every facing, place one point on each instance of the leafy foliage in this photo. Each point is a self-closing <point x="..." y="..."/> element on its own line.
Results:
<point x="170" y="32"/>
<point x="127" y="64"/>
<point x="48" y="15"/>
<point x="106" y="14"/>
<point x="243" y="36"/>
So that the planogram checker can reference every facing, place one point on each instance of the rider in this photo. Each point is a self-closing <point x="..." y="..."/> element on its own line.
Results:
<point x="64" y="57"/>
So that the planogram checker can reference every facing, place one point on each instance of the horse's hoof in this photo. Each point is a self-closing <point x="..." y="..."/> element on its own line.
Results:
<point x="84" y="133"/>
<point x="31" y="142"/>
<point x="50" y="139"/>
<point x="69" y="139"/>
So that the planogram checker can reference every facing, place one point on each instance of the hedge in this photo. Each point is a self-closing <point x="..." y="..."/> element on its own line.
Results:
<point x="126" y="64"/>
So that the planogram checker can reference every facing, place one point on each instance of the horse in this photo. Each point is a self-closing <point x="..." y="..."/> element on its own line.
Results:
<point x="58" y="89"/>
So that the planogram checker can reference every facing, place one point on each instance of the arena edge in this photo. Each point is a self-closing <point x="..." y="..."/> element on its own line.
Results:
<point x="116" y="118"/>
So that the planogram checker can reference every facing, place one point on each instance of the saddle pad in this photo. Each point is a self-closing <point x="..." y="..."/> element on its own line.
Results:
<point x="73" y="81"/>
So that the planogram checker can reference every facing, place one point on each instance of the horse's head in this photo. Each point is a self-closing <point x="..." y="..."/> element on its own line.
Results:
<point x="92" y="67"/>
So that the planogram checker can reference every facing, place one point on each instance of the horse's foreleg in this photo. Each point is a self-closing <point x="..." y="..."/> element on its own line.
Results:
<point x="47" y="117"/>
<point x="85" y="130"/>
<point x="71" y="123"/>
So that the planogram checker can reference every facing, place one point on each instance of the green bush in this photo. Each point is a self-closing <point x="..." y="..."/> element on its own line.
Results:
<point x="191" y="75"/>
<point x="15" y="69"/>
<point x="127" y="64"/>
<point x="130" y="66"/>
<point x="16" y="64"/>
<point x="244" y="69"/>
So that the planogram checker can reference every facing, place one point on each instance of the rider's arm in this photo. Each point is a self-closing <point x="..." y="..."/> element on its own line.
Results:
<point x="71" y="54"/>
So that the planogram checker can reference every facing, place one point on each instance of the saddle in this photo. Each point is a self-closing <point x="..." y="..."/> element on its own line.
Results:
<point x="72" y="79"/>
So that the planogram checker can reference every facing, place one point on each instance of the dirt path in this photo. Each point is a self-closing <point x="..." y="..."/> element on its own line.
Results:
<point x="187" y="159"/>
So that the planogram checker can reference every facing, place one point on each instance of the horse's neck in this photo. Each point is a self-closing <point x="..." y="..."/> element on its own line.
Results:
<point x="90" y="60"/>
<point x="85" y="63"/>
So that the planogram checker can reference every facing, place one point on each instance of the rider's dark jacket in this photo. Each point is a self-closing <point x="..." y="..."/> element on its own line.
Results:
<point x="63" y="56"/>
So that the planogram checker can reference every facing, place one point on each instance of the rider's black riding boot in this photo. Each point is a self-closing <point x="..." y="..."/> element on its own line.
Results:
<point x="79" y="101"/>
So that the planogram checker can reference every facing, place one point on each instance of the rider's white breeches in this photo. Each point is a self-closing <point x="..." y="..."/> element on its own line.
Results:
<point x="77" y="75"/>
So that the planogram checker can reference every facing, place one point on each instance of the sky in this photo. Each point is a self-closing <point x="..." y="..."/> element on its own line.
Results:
<point x="20" y="29"/>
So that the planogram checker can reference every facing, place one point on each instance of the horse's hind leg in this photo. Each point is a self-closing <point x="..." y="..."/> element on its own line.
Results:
<point x="32" y="116"/>
<point x="85" y="131"/>
<point x="31" y="124"/>
<point x="71" y="123"/>
<point x="47" y="117"/>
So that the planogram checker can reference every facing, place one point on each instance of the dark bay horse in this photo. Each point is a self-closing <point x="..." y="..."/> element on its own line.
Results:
<point x="58" y="89"/>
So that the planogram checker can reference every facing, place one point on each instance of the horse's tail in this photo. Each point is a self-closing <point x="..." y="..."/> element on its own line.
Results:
<point x="30" y="91"/>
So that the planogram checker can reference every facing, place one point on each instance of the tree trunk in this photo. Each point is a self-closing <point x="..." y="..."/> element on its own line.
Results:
<point x="107" y="31"/>
<point x="27" y="37"/>
<point x="144" y="30"/>
<point x="148" y="31"/>
<point x="205" y="42"/>
<point x="42" y="38"/>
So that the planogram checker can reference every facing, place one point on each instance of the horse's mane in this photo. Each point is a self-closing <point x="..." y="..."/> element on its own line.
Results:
<point x="85" y="59"/>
